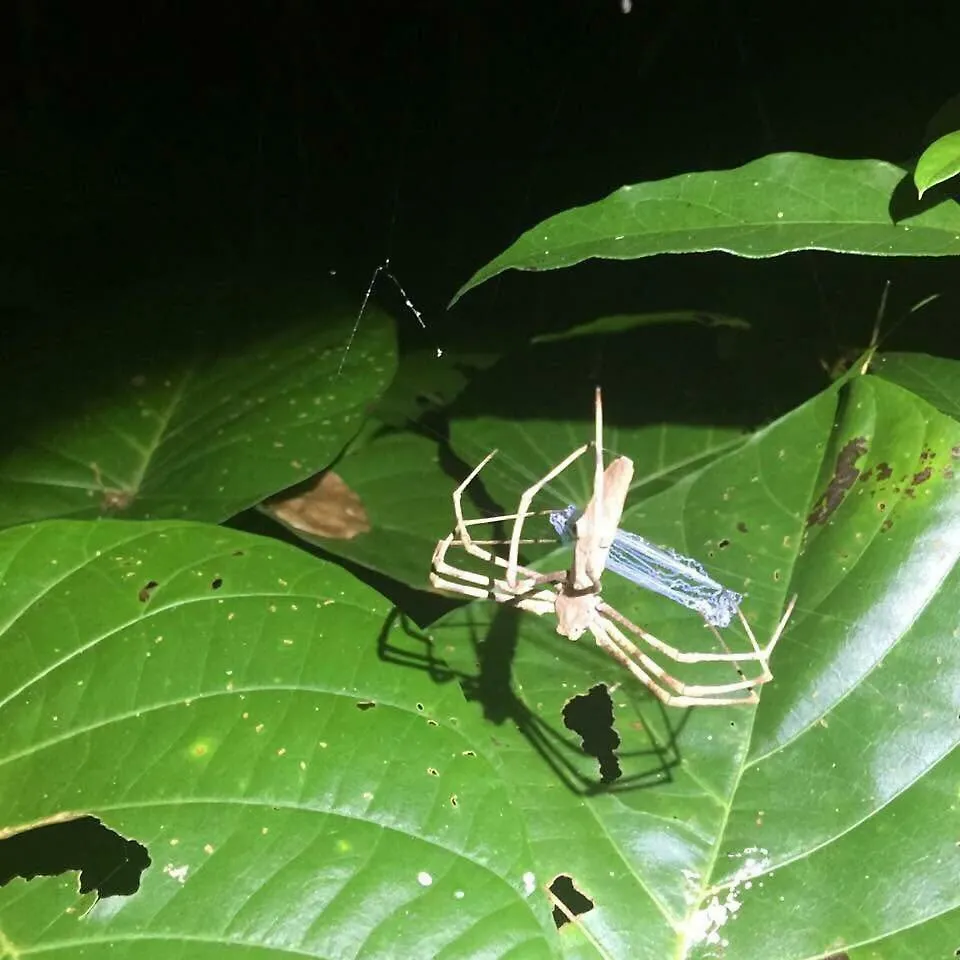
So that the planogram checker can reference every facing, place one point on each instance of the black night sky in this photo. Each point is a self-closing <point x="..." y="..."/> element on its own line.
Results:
<point x="165" y="138"/>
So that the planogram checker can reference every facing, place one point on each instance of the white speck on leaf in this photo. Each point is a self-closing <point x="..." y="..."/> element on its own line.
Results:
<point x="529" y="883"/>
<point x="424" y="878"/>
<point x="704" y="925"/>
<point x="176" y="873"/>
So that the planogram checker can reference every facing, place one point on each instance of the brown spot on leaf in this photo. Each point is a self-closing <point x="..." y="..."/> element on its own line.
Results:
<point x="948" y="473"/>
<point x="866" y="475"/>
<point x="113" y="499"/>
<point x="886" y="525"/>
<point x="845" y="474"/>
<point x="922" y="477"/>
<point x="568" y="902"/>
<point x="327" y="508"/>
<point x="884" y="471"/>
<point x="742" y="527"/>
<point x="146" y="591"/>
<point x="955" y="452"/>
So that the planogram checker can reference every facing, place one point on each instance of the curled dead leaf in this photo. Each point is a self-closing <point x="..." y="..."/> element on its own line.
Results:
<point x="327" y="508"/>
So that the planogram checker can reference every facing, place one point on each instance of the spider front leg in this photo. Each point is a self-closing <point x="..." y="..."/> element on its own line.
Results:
<point x="524" y="506"/>
<point x="657" y="680"/>
<point x="757" y="655"/>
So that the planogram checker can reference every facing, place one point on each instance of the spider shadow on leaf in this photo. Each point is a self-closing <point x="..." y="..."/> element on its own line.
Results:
<point x="494" y="642"/>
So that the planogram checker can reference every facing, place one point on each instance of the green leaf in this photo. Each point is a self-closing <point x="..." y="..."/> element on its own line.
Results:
<point x="213" y="425"/>
<point x="394" y="467"/>
<point x="620" y="322"/>
<point x="823" y="820"/>
<point x="774" y="205"/>
<point x="536" y="406"/>
<point x="425" y="383"/>
<point x="405" y="494"/>
<point x="939" y="162"/>
<point x="229" y="702"/>
<point x="936" y="379"/>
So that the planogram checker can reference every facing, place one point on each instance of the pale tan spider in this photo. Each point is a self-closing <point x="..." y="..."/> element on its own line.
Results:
<point x="573" y="595"/>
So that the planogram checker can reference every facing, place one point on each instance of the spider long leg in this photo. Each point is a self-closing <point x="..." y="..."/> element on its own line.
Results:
<point x="615" y="644"/>
<point x="524" y="506"/>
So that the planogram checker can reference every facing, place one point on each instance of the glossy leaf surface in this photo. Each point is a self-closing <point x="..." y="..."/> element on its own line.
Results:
<point x="230" y="703"/>
<point x="774" y="205"/>
<point x="824" y="820"/>
<point x="207" y="430"/>
<point x="939" y="162"/>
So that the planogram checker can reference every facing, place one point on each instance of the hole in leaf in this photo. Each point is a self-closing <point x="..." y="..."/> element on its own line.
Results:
<point x="433" y="771"/>
<point x="216" y="583"/>
<point x="570" y="901"/>
<point x="147" y="590"/>
<point x="724" y="543"/>
<point x="591" y="716"/>
<point x="453" y="800"/>
<point x="107" y="862"/>
<point x="365" y="704"/>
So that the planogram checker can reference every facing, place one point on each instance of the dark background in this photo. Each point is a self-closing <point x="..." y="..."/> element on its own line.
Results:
<point x="148" y="142"/>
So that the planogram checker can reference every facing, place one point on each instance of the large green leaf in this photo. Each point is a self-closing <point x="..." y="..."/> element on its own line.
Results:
<point x="204" y="426"/>
<point x="228" y="702"/>
<point x="774" y="205"/>
<point x="936" y="379"/>
<point x="826" y="819"/>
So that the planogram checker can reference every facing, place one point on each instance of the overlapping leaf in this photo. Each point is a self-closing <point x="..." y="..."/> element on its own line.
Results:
<point x="229" y="703"/>
<point x="770" y="206"/>
<point x="936" y="379"/>
<point x="825" y="820"/>
<point x="209" y="431"/>
<point x="939" y="162"/>
<point x="395" y="468"/>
